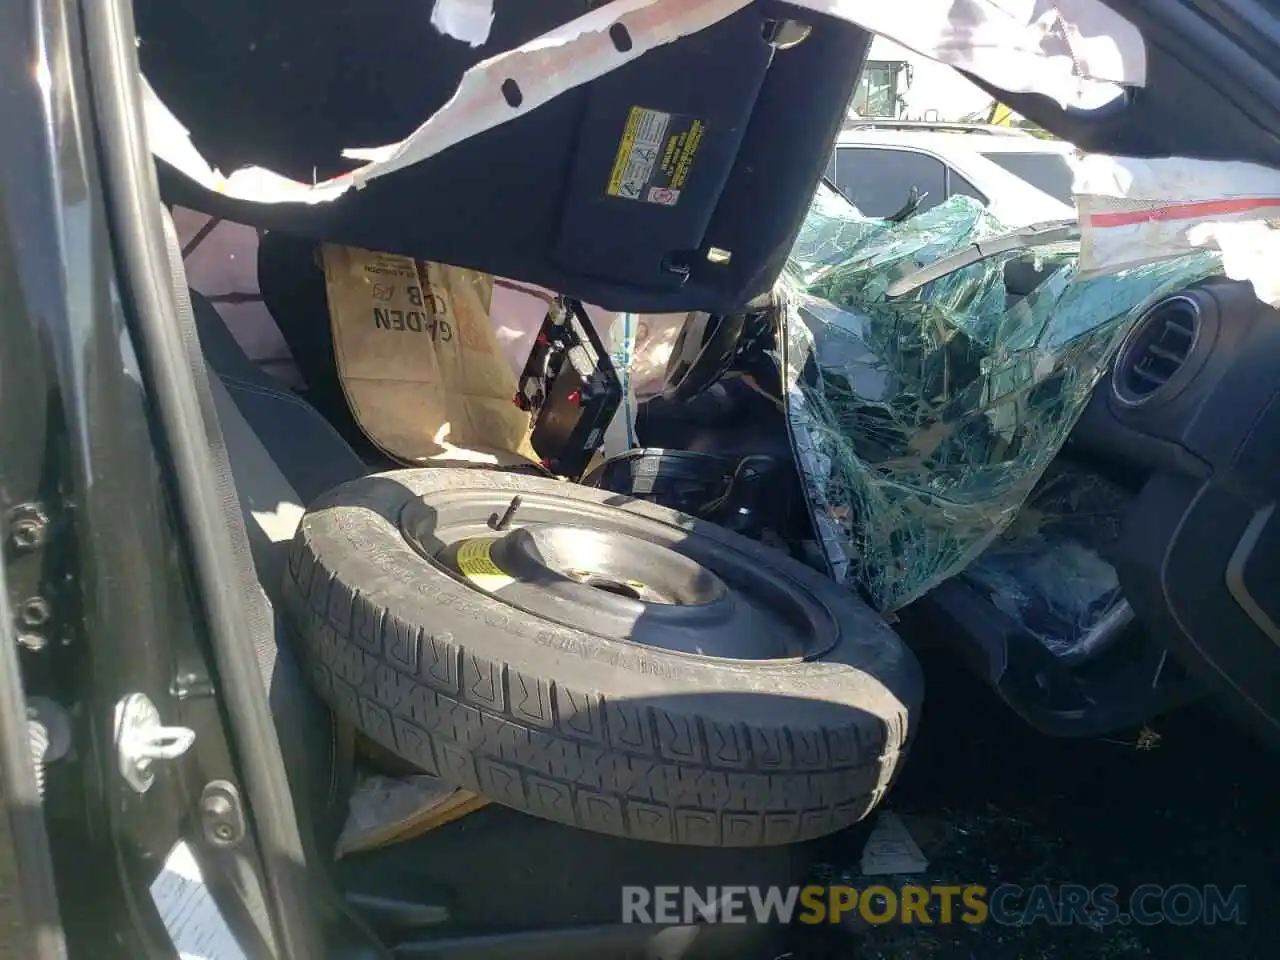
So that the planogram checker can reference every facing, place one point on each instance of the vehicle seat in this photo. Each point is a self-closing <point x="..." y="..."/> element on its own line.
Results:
<point x="307" y="450"/>
<point x="293" y="290"/>
<point x="283" y="454"/>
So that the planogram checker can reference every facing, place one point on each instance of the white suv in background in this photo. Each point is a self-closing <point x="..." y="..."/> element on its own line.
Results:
<point x="1021" y="180"/>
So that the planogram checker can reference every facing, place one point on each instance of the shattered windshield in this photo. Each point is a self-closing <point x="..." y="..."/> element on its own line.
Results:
<point x="922" y="423"/>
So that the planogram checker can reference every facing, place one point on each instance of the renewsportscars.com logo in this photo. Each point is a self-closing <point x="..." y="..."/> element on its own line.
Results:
<point x="1064" y="904"/>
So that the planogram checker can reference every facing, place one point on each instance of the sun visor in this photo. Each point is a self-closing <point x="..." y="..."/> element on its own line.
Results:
<point x="653" y="155"/>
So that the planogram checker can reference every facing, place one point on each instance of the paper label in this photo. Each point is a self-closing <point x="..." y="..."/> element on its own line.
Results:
<point x="655" y="156"/>
<point x="891" y="850"/>
<point x="189" y="912"/>
<point x="475" y="560"/>
<point x="419" y="358"/>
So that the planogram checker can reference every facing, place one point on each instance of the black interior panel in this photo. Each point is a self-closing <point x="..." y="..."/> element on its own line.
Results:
<point x="1198" y="557"/>
<point x="288" y="85"/>
<point x="497" y="869"/>
<point x="1229" y="381"/>
<point x="630" y="239"/>
<point x="1197" y="464"/>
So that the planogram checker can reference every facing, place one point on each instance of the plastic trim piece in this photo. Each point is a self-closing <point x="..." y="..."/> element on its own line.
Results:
<point x="1235" y="574"/>
<point x="1137" y="338"/>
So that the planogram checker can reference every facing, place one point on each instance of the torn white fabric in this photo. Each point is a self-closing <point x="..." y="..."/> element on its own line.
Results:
<point x="492" y="92"/>
<point x="1136" y="211"/>
<point x="171" y="142"/>
<point x="466" y="20"/>
<point x="1063" y="49"/>
<point x="1250" y="251"/>
<point x="513" y="83"/>
<point x="1055" y="48"/>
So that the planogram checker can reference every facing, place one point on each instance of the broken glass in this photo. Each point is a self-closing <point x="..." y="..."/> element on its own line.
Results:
<point x="922" y="423"/>
<point x="1050" y="571"/>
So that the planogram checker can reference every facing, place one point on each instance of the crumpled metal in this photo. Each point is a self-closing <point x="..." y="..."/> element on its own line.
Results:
<point x="921" y="424"/>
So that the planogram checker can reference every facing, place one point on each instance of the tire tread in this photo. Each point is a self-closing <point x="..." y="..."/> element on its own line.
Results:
<point x="638" y="770"/>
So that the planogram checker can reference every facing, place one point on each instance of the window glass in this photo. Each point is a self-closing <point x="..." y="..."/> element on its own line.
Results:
<point x="879" y="182"/>
<point x="959" y="185"/>
<point x="1048" y="172"/>
<point x="877" y="91"/>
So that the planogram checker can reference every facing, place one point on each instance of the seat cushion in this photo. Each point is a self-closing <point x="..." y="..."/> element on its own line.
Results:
<point x="310" y="454"/>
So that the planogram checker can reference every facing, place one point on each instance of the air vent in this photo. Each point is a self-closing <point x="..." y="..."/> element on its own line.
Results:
<point x="1156" y="349"/>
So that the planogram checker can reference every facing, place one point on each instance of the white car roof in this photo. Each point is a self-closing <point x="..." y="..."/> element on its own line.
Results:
<point x="946" y="143"/>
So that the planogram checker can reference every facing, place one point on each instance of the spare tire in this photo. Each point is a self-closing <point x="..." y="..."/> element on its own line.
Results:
<point x="597" y="660"/>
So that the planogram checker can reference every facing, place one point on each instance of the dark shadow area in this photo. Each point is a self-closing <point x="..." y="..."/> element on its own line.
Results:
<point x="990" y="801"/>
<point x="497" y="870"/>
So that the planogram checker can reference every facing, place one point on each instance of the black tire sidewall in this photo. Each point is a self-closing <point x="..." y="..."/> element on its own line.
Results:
<point x="353" y="534"/>
<point x="391" y="636"/>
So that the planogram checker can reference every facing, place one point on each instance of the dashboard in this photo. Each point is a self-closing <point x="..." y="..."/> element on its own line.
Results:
<point x="1191" y="410"/>
<point x="1149" y="412"/>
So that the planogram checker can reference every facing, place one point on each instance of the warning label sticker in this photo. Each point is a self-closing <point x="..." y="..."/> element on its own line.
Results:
<point x="655" y="156"/>
<point x="476" y="563"/>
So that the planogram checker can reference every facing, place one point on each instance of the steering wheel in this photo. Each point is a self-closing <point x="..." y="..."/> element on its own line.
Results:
<point x="702" y="353"/>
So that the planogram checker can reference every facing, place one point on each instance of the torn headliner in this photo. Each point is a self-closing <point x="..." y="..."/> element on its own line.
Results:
<point x="291" y="87"/>
<point x="499" y="201"/>
<point x="1072" y="51"/>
